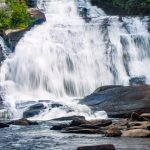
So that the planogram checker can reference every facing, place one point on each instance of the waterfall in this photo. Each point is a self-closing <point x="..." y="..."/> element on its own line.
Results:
<point x="77" y="49"/>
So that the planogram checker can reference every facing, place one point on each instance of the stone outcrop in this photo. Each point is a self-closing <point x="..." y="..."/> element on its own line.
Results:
<point x="120" y="101"/>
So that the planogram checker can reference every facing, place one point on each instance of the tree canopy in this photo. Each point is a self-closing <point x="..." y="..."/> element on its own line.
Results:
<point x="130" y="7"/>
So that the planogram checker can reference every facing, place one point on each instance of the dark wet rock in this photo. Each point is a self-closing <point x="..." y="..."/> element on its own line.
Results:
<point x="113" y="132"/>
<point x="78" y="122"/>
<point x="137" y="117"/>
<point x="33" y="110"/>
<point x="136" y="133"/>
<point x="59" y="127"/>
<point x="89" y="126"/>
<point x="1" y="100"/>
<point x="56" y="105"/>
<point x="138" y="81"/>
<point x="14" y="36"/>
<point x="5" y="37"/>
<point x="74" y="128"/>
<point x="97" y="147"/>
<point x="84" y="131"/>
<point x="81" y="126"/>
<point x="120" y="101"/>
<point x="2" y="57"/>
<point x="23" y="122"/>
<point x="98" y="123"/>
<point x="69" y="118"/>
<point x="44" y="101"/>
<point x="3" y="125"/>
<point x="104" y="88"/>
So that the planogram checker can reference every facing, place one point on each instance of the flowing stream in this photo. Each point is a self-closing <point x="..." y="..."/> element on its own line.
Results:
<point x="76" y="50"/>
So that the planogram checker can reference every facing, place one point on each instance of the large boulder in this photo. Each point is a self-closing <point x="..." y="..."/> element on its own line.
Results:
<point x="120" y="101"/>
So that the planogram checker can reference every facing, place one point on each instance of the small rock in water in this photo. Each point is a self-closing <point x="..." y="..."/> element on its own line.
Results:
<point x="3" y="125"/>
<point x="78" y="122"/>
<point x="23" y="122"/>
<point x="113" y="132"/>
<point x="55" y="105"/>
<point x="98" y="147"/>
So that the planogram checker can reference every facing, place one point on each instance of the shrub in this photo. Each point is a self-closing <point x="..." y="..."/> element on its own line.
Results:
<point x="15" y="16"/>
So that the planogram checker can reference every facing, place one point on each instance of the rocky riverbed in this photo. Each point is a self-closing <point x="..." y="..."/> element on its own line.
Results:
<point x="37" y="137"/>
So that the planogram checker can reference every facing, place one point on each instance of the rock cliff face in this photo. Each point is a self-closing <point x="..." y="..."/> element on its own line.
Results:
<point x="120" y="101"/>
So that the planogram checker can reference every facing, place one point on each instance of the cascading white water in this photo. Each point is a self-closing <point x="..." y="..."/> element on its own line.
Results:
<point x="68" y="57"/>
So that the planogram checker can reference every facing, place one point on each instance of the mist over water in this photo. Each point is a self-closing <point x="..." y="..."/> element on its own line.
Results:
<point x="77" y="49"/>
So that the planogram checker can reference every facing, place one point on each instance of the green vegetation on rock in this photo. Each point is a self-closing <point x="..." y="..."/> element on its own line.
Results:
<point x="14" y="15"/>
<point x="125" y="7"/>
